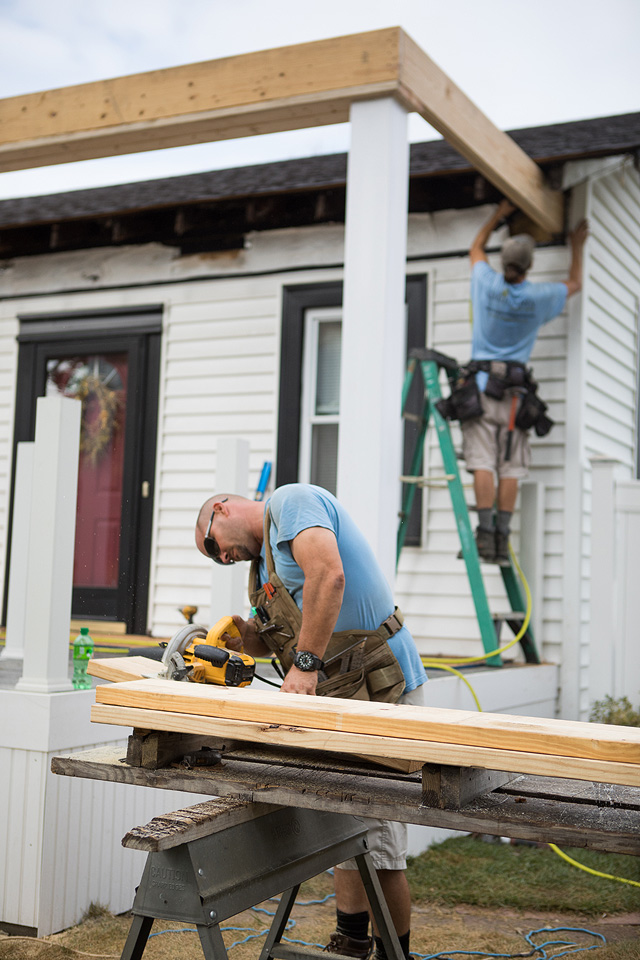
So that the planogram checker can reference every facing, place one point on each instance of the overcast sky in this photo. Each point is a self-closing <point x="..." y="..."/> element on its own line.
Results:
<point x="524" y="64"/>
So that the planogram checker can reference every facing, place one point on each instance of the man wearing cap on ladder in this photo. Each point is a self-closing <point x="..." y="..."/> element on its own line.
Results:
<point x="507" y="312"/>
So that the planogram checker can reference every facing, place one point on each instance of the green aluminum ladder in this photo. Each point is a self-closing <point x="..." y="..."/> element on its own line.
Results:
<point x="429" y="363"/>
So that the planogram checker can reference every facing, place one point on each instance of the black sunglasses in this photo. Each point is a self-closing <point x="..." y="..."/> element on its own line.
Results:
<point x="210" y="543"/>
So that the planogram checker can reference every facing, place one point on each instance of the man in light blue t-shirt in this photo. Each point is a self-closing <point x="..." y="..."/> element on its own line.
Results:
<point x="329" y="570"/>
<point x="508" y="311"/>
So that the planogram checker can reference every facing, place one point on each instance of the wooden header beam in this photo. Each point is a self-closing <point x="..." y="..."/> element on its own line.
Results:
<point x="286" y="88"/>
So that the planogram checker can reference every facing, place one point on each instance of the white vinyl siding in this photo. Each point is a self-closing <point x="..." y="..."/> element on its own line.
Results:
<point x="220" y="377"/>
<point x="611" y="308"/>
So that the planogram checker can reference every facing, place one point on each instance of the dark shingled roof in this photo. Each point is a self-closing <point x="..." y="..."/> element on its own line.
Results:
<point x="548" y="145"/>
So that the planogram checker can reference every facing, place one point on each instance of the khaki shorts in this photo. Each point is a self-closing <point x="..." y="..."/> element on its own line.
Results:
<point x="388" y="838"/>
<point x="484" y="441"/>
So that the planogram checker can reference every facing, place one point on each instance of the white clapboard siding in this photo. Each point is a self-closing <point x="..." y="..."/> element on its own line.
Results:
<point x="611" y="306"/>
<point x="219" y="378"/>
<point x="55" y="862"/>
<point x="432" y="586"/>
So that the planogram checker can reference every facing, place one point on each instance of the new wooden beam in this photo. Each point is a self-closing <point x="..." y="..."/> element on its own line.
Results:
<point x="287" y="88"/>
<point x="432" y="94"/>
<point x="596" y="741"/>
<point x="517" y="761"/>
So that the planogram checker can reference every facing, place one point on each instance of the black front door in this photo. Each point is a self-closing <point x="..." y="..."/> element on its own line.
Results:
<point x="115" y="377"/>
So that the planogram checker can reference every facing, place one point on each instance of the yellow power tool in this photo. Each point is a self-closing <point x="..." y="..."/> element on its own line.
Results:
<point x="200" y="656"/>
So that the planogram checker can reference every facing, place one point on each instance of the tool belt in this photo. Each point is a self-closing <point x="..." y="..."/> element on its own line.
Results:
<point x="359" y="664"/>
<point x="464" y="403"/>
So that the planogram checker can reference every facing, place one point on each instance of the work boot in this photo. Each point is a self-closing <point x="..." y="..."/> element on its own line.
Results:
<point x="348" y="947"/>
<point x="502" y="549"/>
<point x="486" y="544"/>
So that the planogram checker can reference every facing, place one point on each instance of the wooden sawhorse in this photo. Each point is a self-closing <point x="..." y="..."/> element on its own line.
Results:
<point x="212" y="861"/>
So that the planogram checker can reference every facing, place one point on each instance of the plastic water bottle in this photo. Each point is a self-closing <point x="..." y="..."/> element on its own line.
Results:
<point x="82" y="653"/>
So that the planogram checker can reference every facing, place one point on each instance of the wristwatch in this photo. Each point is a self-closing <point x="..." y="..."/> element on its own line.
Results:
<point x="307" y="661"/>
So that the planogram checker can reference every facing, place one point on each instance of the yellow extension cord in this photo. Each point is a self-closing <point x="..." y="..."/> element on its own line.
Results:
<point x="447" y="665"/>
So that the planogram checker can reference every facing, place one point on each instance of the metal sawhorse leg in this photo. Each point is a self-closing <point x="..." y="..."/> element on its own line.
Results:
<point x="208" y="880"/>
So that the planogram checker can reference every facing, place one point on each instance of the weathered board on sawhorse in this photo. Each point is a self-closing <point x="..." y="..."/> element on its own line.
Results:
<point x="598" y="816"/>
<point x="212" y="861"/>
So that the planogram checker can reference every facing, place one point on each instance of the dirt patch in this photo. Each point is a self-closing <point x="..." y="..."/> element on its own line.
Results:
<point x="434" y="929"/>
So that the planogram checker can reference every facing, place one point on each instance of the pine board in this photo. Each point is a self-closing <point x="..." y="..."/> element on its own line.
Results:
<point x="375" y="746"/>
<point x="118" y="669"/>
<point x="559" y="738"/>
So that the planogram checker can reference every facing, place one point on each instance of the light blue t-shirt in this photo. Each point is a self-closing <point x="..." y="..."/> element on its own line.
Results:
<point x="507" y="316"/>
<point x="367" y="600"/>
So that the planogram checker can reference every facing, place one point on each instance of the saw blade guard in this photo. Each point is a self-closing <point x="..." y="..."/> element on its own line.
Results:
<point x="172" y="659"/>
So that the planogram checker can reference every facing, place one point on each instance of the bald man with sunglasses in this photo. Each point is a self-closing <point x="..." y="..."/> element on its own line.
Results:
<point x="332" y="590"/>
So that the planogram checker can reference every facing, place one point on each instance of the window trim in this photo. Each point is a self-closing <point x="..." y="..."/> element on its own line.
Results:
<point x="296" y="300"/>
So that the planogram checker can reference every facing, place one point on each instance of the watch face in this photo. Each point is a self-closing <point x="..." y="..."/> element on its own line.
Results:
<point x="305" y="660"/>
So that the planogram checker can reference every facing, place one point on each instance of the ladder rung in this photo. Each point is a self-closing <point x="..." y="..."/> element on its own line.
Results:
<point x="425" y="481"/>
<point x="511" y="615"/>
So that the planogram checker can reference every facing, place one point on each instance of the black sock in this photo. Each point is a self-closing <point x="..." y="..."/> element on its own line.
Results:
<point x="503" y="522"/>
<point x="381" y="953"/>
<point x="354" y="925"/>
<point x="485" y="518"/>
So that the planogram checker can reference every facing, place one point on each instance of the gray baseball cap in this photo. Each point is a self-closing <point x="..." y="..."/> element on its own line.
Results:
<point x="517" y="251"/>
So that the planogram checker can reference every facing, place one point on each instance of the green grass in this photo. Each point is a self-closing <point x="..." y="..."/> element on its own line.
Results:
<point x="466" y="870"/>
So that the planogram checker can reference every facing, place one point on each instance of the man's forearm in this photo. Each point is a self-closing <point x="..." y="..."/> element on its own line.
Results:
<point x="578" y="238"/>
<point x="321" y="602"/>
<point x="476" y="251"/>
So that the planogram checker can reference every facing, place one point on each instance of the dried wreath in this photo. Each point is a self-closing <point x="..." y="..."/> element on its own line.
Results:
<point x="97" y="430"/>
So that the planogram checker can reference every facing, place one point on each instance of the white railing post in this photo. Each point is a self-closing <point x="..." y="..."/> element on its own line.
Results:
<point x="532" y="549"/>
<point x="51" y="546"/>
<point x="228" y="594"/>
<point x="19" y="562"/>
<point x="603" y="631"/>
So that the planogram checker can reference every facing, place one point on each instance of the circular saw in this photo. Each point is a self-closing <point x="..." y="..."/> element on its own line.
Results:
<point x="199" y="655"/>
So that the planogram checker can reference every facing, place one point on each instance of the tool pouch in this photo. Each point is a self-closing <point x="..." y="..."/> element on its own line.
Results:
<point x="532" y="413"/>
<point x="464" y="402"/>
<point x="359" y="664"/>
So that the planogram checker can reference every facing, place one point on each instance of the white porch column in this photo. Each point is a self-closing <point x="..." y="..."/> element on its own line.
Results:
<point x="604" y="622"/>
<point x="373" y="325"/>
<point x="19" y="563"/>
<point x="228" y="594"/>
<point x="51" y="546"/>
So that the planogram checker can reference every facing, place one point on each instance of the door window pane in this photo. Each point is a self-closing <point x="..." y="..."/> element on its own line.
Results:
<point x="99" y="381"/>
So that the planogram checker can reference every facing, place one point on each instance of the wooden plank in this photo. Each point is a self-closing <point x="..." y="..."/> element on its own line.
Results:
<point x="450" y="788"/>
<point x="378" y="794"/>
<point x="191" y="823"/>
<point x="152" y="748"/>
<point x="432" y="94"/>
<point x="495" y="730"/>
<point x="118" y="669"/>
<point x="284" y="88"/>
<point x="287" y="88"/>
<point x="359" y="744"/>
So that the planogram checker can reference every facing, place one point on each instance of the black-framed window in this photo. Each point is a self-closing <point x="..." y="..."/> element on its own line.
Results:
<point x="320" y="302"/>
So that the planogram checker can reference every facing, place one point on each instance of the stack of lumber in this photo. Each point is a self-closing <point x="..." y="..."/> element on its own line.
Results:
<point x="530" y="745"/>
